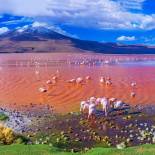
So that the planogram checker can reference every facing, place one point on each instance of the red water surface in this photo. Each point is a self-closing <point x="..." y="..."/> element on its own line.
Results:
<point x="19" y="82"/>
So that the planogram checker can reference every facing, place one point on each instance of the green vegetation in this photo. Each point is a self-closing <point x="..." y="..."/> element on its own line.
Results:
<point x="47" y="150"/>
<point x="139" y="150"/>
<point x="3" y="117"/>
<point x="7" y="137"/>
<point x="73" y="132"/>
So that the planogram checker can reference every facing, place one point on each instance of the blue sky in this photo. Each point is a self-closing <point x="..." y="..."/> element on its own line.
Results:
<point x="122" y="21"/>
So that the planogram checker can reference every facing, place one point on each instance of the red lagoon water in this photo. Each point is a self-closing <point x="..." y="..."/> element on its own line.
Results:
<point x="22" y="74"/>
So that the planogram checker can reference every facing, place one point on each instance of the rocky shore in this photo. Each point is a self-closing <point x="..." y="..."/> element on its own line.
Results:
<point x="21" y="120"/>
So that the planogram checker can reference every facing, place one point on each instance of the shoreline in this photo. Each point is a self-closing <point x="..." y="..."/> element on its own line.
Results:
<point x="120" y="128"/>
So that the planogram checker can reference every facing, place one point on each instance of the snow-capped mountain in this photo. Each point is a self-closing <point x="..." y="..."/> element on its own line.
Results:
<point x="40" y="38"/>
<point x="31" y="33"/>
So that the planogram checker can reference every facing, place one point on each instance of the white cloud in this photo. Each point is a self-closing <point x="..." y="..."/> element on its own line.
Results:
<point x="103" y="14"/>
<point x="16" y="21"/>
<point x="126" y="38"/>
<point x="132" y="4"/>
<point x="3" y="30"/>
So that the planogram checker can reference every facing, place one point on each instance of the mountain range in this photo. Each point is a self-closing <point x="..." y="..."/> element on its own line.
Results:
<point x="43" y="39"/>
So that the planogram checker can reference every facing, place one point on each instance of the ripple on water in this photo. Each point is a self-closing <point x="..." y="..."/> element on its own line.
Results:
<point x="20" y="84"/>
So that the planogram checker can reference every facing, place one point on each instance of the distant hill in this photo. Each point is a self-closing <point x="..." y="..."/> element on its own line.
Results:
<point x="42" y="39"/>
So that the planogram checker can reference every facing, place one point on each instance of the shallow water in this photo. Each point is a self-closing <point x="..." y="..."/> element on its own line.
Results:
<point x="22" y="74"/>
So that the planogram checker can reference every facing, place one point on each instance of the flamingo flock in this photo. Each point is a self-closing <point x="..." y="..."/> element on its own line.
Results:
<point x="107" y="104"/>
<point x="80" y="80"/>
<point x="91" y="104"/>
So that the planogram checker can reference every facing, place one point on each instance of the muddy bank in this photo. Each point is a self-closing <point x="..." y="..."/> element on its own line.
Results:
<point x="134" y="126"/>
